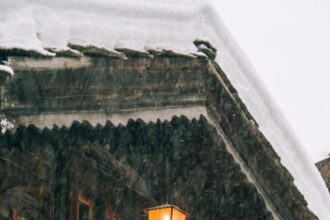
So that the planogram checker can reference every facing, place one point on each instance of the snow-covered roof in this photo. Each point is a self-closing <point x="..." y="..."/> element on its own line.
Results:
<point x="6" y="69"/>
<point x="161" y="24"/>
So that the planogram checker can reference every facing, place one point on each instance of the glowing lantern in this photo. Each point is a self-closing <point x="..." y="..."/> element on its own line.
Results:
<point x="166" y="212"/>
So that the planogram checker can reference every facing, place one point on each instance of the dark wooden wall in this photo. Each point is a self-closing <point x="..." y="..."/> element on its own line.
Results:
<point x="128" y="168"/>
<point x="324" y="168"/>
<point x="60" y="85"/>
<point x="104" y="84"/>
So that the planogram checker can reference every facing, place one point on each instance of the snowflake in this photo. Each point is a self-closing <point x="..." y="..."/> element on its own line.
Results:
<point x="5" y="125"/>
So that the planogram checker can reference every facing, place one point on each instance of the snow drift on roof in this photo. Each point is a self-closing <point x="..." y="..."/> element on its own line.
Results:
<point x="161" y="24"/>
<point x="6" y="69"/>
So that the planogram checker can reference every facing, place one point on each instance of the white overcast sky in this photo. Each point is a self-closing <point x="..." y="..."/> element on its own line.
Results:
<point x="288" y="42"/>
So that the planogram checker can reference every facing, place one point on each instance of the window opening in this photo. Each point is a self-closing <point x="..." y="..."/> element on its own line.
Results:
<point x="85" y="211"/>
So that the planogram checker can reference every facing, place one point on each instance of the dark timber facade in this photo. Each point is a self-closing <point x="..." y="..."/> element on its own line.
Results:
<point x="324" y="168"/>
<point x="89" y="166"/>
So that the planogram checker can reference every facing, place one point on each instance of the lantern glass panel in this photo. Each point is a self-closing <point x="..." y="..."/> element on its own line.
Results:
<point x="160" y="214"/>
<point x="178" y="215"/>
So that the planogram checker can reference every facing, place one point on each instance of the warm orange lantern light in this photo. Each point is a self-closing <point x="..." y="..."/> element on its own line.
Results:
<point x="166" y="212"/>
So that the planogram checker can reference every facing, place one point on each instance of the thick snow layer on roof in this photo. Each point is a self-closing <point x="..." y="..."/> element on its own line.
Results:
<point x="161" y="24"/>
<point x="6" y="69"/>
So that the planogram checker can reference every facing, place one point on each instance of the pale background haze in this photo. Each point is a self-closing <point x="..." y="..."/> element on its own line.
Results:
<point x="288" y="42"/>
